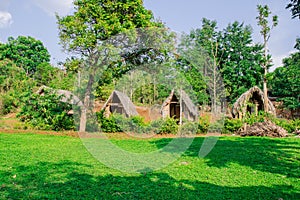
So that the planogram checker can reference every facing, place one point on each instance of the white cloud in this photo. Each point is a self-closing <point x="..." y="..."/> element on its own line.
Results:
<point x="5" y="19"/>
<point x="62" y="7"/>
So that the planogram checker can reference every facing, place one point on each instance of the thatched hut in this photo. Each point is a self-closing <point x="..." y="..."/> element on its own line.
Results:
<point x="171" y="106"/>
<point x="65" y="95"/>
<point x="251" y="101"/>
<point x="119" y="102"/>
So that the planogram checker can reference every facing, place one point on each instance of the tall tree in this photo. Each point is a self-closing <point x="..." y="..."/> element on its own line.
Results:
<point x="94" y="22"/>
<point x="26" y="52"/>
<point x="264" y="14"/>
<point x="232" y="53"/>
<point x="239" y="60"/>
<point x="207" y="38"/>
<point x="294" y="6"/>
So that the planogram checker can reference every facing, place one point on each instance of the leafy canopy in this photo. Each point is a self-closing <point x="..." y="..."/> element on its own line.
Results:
<point x="94" y="21"/>
<point x="26" y="52"/>
<point x="285" y="81"/>
<point x="234" y="55"/>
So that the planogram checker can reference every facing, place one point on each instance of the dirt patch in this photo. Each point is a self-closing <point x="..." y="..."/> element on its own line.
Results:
<point x="148" y="113"/>
<point x="18" y="131"/>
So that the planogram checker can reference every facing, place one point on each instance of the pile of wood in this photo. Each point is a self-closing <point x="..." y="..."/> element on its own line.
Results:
<point x="266" y="128"/>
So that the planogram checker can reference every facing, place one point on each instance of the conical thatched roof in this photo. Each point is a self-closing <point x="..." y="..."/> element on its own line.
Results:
<point x="188" y="107"/>
<point x="65" y="95"/>
<point x="254" y="94"/>
<point x="120" y="103"/>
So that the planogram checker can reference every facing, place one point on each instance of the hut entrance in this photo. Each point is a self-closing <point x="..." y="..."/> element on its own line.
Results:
<point x="116" y="108"/>
<point x="255" y="104"/>
<point x="175" y="110"/>
<point x="171" y="107"/>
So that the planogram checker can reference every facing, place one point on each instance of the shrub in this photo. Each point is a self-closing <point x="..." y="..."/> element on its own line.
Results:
<point x="289" y="125"/>
<point x="119" y="123"/>
<point x="46" y="112"/>
<point x="189" y="128"/>
<point x="108" y="125"/>
<point x="161" y="126"/>
<point x="8" y="103"/>
<point x="232" y="125"/>
<point x="260" y="117"/>
<point x="204" y="123"/>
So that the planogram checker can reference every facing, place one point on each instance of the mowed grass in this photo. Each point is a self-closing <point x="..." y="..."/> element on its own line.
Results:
<point x="37" y="166"/>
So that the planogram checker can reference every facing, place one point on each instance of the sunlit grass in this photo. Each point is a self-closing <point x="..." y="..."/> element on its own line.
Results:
<point x="59" y="167"/>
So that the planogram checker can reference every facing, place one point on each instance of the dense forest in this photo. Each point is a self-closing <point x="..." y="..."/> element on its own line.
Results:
<point x="121" y="46"/>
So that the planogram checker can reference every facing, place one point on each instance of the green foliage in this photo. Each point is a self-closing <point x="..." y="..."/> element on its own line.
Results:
<point x="289" y="125"/>
<point x="135" y="124"/>
<point x="189" y="128"/>
<point x="239" y="60"/>
<point x="45" y="73"/>
<point x="93" y="22"/>
<point x="294" y="6"/>
<point x="285" y="82"/>
<point x="230" y="51"/>
<point x="11" y="77"/>
<point x="13" y="83"/>
<point x="108" y="125"/>
<point x="204" y="123"/>
<point x="252" y="118"/>
<point x="232" y="125"/>
<point x="97" y="20"/>
<point x="26" y="52"/>
<point x="168" y="126"/>
<point x="46" y="112"/>
<point x="8" y="103"/>
<point x="194" y="76"/>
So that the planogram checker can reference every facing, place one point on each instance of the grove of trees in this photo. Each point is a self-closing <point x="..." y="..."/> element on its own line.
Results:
<point x="94" y="37"/>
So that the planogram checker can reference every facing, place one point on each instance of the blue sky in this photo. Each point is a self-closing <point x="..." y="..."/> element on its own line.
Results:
<point x="36" y="18"/>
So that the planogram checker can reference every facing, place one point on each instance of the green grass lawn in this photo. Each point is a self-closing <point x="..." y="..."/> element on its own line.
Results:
<point x="59" y="167"/>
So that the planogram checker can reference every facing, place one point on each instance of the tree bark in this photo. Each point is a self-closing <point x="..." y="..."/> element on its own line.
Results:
<point x="86" y="104"/>
<point x="265" y="89"/>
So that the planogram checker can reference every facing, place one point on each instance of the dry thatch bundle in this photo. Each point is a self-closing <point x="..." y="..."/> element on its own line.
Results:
<point x="251" y="101"/>
<point x="266" y="128"/>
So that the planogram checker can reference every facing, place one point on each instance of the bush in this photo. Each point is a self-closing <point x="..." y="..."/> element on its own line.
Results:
<point x="289" y="125"/>
<point x="204" y="123"/>
<point x="169" y="125"/>
<point x="232" y="125"/>
<point x="189" y="128"/>
<point x="8" y="103"/>
<point x="260" y="117"/>
<point x="119" y="123"/>
<point x="46" y="112"/>
<point x="108" y="125"/>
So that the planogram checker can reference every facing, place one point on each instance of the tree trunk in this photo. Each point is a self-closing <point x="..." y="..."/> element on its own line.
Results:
<point x="86" y="105"/>
<point x="265" y="89"/>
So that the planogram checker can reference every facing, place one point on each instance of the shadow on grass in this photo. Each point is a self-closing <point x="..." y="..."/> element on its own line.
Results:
<point x="70" y="180"/>
<point x="273" y="155"/>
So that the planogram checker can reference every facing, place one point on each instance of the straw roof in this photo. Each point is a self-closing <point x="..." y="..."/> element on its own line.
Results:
<point x="254" y="93"/>
<point x="122" y="101"/>
<point x="186" y="101"/>
<point x="65" y="95"/>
